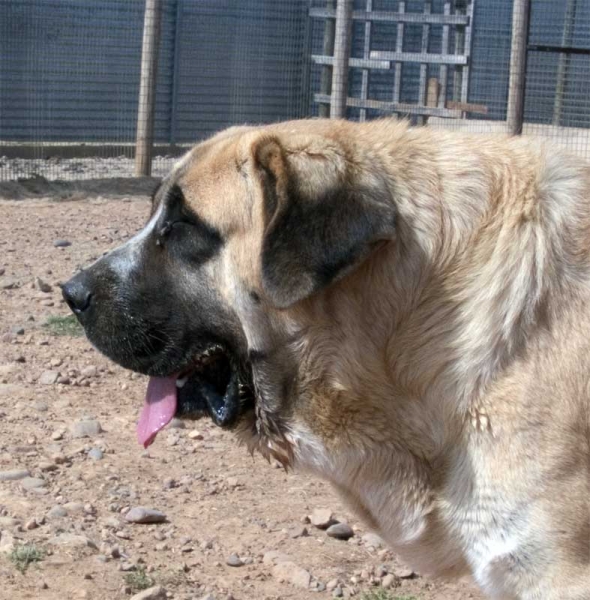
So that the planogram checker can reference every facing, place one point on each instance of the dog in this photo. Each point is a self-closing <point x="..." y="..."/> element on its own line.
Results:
<point x="402" y="311"/>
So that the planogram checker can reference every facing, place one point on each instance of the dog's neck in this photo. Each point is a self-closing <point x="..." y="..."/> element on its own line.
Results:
<point x="423" y="319"/>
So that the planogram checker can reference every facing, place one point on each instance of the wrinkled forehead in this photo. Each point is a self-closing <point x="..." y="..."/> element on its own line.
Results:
<point x="211" y="182"/>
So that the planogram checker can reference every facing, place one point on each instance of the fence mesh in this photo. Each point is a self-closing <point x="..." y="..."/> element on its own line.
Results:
<point x="71" y="72"/>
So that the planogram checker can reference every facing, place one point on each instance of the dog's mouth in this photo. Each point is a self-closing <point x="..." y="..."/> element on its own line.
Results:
<point x="214" y="384"/>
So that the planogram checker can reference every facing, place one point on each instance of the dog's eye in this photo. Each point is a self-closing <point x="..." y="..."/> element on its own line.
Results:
<point x="163" y="232"/>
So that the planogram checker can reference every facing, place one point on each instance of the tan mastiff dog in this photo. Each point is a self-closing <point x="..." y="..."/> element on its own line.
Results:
<point x="404" y="312"/>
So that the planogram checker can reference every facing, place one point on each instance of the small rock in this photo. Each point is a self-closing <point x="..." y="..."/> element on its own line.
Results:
<point x="139" y="514"/>
<point x="337" y="593"/>
<point x="404" y="572"/>
<point x="195" y="435"/>
<point x="57" y="435"/>
<point x="95" y="454"/>
<point x="62" y="243"/>
<point x="57" y="512"/>
<point x="340" y="531"/>
<point x="169" y="483"/>
<point x="9" y="284"/>
<point x="13" y="475"/>
<point x="298" y="531"/>
<point x="7" y="543"/>
<point x="332" y="584"/>
<point x="31" y="524"/>
<point x="372" y="540"/>
<point x="85" y="428"/>
<point x="89" y="371"/>
<point x="389" y="581"/>
<point x="73" y="508"/>
<point x="233" y="560"/>
<point x="43" y="286"/>
<point x="48" y="377"/>
<point x="177" y="424"/>
<point x="294" y="574"/>
<point x="30" y="483"/>
<point x="154" y="593"/>
<point x="72" y="540"/>
<point x="322" y="518"/>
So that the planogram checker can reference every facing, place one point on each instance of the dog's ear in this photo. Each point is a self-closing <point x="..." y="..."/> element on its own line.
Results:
<point x="322" y="215"/>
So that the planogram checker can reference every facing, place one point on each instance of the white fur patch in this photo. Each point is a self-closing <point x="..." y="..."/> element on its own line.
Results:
<point x="124" y="259"/>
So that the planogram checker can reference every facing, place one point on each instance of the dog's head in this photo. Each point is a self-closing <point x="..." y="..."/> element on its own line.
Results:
<point x="248" y="228"/>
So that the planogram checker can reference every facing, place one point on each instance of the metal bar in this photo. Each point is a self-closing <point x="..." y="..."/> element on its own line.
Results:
<point x="147" y="88"/>
<point x="516" y="84"/>
<point x="417" y="57"/>
<point x="399" y="107"/>
<point x="327" y="50"/>
<point x="342" y="39"/>
<point x="394" y="17"/>
<point x="443" y="73"/>
<point x="467" y="53"/>
<point x="356" y="63"/>
<point x="175" y="72"/>
<point x="459" y="46"/>
<point x="399" y="48"/>
<point x="366" y="52"/>
<point x="558" y="49"/>
<point x="424" y="66"/>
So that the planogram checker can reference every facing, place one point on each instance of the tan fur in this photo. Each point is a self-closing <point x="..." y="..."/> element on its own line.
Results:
<point x="443" y="384"/>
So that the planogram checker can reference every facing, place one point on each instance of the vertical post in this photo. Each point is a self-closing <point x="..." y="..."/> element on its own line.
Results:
<point x="564" y="59"/>
<point x="518" y="51"/>
<point x="424" y="66"/>
<point x="459" y="49"/>
<point x="343" y="33"/>
<point x="444" y="69"/>
<point x="399" y="47"/>
<point x="147" y="89"/>
<point x="327" y="50"/>
<point x="175" y="73"/>
<point x="366" y="54"/>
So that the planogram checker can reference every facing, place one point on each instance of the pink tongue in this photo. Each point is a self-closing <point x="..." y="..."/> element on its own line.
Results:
<point x="158" y="410"/>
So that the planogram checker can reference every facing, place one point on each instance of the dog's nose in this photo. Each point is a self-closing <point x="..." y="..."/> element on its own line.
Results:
<point x="77" y="293"/>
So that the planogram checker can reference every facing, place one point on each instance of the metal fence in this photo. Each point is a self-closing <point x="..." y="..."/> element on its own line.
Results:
<point x="95" y="88"/>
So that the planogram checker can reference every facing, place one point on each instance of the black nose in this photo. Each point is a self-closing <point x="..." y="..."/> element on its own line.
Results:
<point x="77" y="292"/>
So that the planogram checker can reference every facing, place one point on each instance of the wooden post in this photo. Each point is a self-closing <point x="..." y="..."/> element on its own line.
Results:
<point x="516" y="85"/>
<point x="433" y="92"/>
<point x="399" y="47"/>
<point x="327" y="50"/>
<point x="147" y="89"/>
<point x="366" y="54"/>
<point x="342" y="36"/>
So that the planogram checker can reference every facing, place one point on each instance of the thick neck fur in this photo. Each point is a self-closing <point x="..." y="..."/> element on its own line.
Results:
<point x="446" y="328"/>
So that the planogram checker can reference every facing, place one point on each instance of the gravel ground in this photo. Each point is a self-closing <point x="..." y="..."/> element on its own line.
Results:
<point x="87" y="513"/>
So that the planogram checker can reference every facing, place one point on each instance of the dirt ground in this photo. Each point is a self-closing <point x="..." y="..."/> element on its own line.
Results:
<point x="70" y="505"/>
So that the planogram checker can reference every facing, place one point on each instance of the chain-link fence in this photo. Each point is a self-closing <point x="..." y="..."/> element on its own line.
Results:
<point x="96" y="88"/>
<point x="80" y="79"/>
